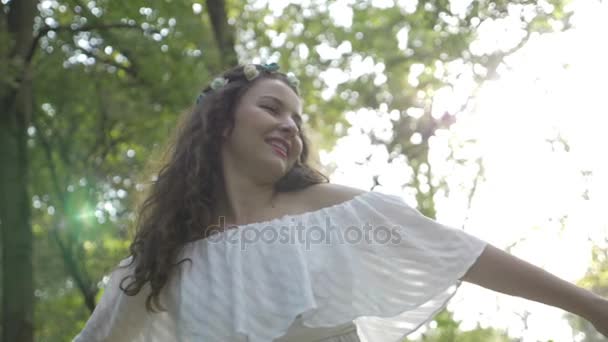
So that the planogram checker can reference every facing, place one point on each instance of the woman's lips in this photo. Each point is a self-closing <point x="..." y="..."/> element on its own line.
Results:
<point x="278" y="151"/>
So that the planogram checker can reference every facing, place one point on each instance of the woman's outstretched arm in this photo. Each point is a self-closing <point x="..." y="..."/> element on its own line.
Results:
<point x="500" y="271"/>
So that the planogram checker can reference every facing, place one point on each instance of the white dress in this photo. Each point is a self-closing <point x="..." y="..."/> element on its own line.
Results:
<point x="371" y="269"/>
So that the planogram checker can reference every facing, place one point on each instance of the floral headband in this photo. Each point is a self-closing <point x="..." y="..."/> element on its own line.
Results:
<point x="251" y="71"/>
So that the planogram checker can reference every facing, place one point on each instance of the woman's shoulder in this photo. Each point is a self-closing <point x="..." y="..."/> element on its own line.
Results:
<point x="327" y="194"/>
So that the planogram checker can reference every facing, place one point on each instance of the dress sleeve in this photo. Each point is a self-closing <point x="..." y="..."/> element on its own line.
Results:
<point x="117" y="317"/>
<point x="393" y="270"/>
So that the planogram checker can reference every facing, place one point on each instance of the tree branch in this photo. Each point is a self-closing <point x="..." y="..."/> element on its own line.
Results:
<point x="129" y="70"/>
<point x="223" y="33"/>
<point x="74" y="29"/>
<point x="82" y="280"/>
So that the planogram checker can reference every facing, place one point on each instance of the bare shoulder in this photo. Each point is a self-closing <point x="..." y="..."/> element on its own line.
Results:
<point x="327" y="194"/>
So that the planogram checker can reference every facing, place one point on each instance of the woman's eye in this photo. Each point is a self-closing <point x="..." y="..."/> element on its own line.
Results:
<point x="271" y="109"/>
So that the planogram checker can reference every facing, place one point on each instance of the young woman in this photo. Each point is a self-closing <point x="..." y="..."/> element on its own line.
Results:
<point x="241" y="239"/>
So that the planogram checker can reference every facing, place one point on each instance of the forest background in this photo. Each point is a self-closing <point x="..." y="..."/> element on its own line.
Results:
<point x="90" y="91"/>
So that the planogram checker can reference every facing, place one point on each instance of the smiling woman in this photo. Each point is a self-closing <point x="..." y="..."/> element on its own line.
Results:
<point x="241" y="240"/>
<point x="224" y="136"/>
<point x="262" y="130"/>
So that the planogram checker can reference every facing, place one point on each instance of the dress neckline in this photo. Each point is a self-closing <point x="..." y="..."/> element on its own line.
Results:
<point x="306" y="213"/>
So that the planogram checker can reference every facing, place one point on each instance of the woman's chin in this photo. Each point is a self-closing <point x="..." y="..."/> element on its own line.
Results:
<point x="277" y="168"/>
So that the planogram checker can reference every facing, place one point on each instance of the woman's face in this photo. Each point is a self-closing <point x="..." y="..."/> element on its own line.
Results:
<point x="265" y="141"/>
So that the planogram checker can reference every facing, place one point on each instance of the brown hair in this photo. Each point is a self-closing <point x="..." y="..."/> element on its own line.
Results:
<point x="180" y="205"/>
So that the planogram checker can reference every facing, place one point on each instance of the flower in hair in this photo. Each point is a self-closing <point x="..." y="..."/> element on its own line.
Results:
<point x="218" y="82"/>
<point x="250" y="72"/>
<point x="270" y="67"/>
<point x="293" y="80"/>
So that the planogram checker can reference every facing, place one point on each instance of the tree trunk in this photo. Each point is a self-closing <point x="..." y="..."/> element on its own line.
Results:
<point x="17" y="269"/>
<point x="224" y="34"/>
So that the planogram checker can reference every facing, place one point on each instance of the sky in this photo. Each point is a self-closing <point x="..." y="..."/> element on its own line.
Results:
<point x="541" y="132"/>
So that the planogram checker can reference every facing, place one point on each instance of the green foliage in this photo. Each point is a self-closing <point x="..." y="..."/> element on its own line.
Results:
<point x="447" y="330"/>
<point x="112" y="77"/>
<point x="595" y="280"/>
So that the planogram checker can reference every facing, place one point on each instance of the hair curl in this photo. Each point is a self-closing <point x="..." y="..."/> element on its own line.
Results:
<point x="182" y="198"/>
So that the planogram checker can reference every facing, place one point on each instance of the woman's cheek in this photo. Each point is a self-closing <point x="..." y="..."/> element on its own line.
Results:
<point x="299" y="147"/>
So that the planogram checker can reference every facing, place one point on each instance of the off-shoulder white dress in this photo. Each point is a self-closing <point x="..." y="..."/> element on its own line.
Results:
<point x="369" y="269"/>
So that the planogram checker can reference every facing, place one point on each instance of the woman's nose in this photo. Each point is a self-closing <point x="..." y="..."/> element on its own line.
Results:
<point x="289" y="127"/>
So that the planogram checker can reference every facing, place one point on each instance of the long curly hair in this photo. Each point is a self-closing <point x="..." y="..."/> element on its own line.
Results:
<point x="180" y="206"/>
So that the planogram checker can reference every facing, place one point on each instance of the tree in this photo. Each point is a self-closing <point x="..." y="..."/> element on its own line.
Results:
<point x="109" y="78"/>
<point x="48" y="119"/>
<point x="16" y="97"/>
<point x="596" y="280"/>
<point x="446" y="329"/>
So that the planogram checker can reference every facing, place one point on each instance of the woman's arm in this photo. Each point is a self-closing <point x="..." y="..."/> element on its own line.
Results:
<point x="502" y="272"/>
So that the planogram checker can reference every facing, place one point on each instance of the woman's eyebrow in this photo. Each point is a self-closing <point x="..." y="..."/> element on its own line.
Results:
<point x="279" y="101"/>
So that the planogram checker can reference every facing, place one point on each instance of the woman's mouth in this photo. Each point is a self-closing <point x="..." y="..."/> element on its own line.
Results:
<point x="280" y="152"/>
<point x="278" y="147"/>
